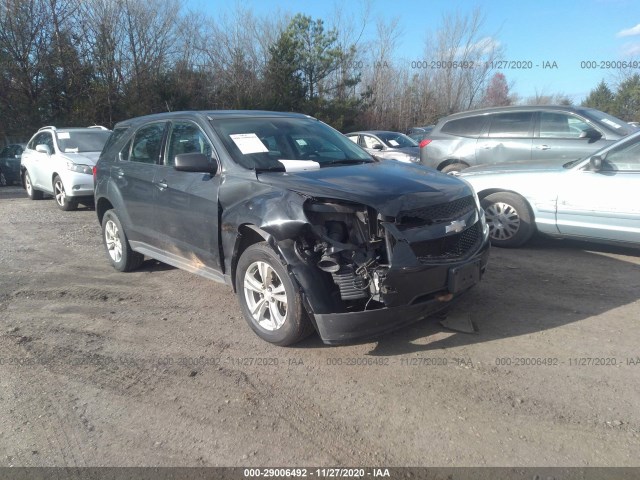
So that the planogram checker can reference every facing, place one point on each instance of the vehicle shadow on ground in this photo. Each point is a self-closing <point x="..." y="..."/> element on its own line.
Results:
<point x="12" y="192"/>
<point x="547" y="284"/>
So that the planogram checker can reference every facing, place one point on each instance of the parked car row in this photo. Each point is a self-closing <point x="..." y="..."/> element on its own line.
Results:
<point x="315" y="230"/>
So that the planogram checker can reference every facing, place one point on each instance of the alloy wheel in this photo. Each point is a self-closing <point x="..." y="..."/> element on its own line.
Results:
<point x="265" y="295"/>
<point x="112" y="239"/>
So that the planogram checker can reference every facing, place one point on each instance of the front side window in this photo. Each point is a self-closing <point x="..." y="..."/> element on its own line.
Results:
<point x="147" y="143"/>
<point x="43" y="138"/>
<point x="512" y="124"/>
<point x="186" y="137"/>
<point x="625" y="157"/>
<point x="370" y="142"/>
<point x="561" y="125"/>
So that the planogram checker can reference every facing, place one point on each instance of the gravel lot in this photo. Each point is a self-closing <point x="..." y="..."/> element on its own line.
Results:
<point x="158" y="367"/>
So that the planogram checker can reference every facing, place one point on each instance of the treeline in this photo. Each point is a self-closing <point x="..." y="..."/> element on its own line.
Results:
<point x="82" y="62"/>
<point x="623" y="103"/>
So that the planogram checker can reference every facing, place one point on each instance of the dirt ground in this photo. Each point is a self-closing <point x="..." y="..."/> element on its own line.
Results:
<point x="158" y="368"/>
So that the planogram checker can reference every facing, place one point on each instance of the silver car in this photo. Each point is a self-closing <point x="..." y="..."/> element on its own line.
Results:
<point x="59" y="162"/>
<point x="594" y="198"/>
<point x="387" y="145"/>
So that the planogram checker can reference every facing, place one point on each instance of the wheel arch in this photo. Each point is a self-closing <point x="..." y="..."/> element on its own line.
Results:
<point x="102" y="206"/>
<point x="452" y="161"/>
<point x="482" y="194"/>
<point x="248" y="235"/>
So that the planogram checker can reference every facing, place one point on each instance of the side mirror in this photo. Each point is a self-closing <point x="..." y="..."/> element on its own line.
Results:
<point x="591" y="133"/>
<point x="596" y="163"/>
<point x="42" y="148"/>
<point x="195" y="162"/>
<point x="378" y="146"/>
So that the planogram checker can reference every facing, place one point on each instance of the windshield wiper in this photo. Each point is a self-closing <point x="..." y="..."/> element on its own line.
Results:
<point x="274" y="168"/>
<point x="353" y="161"/>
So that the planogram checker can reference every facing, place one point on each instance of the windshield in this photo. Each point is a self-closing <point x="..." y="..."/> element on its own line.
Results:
<point x="272" y="143"/>
<point x="82" y="140"/>
<point x="619" y="126"/>
<point x="397" y="140"/>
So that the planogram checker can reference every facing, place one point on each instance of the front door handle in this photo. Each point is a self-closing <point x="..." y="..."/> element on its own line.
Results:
<point x="162" y="184"/>
<point x="543" y="147"/>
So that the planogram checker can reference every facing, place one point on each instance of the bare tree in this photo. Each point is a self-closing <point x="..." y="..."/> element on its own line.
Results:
<point x="465" y="58"/>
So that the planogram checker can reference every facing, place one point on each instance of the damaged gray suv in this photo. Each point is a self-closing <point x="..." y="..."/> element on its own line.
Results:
<point x="307" y="228"/>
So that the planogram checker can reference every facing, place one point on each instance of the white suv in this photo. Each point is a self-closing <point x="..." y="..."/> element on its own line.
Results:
<point x="59" y="162"/>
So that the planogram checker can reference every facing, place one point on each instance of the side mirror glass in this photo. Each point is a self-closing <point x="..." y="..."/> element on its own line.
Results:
<point x="195" y="162"/>
<point x="42" y="148"/>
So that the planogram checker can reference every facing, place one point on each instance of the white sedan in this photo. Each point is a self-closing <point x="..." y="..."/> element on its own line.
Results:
<point x="595" y="198"/>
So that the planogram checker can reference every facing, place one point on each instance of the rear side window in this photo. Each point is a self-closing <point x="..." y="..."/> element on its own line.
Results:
<point x="512" y="124"/>
<point x="465" y="127"/>
<point x="147" y="143"/>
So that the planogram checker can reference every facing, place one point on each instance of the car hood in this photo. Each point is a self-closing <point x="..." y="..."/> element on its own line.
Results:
<point x="389" y="187"/>
<point x="84" y="158"/>
<point x="517" y="167"/>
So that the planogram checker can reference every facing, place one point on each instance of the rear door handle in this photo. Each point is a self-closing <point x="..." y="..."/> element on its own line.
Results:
<point x="543" y="147"/>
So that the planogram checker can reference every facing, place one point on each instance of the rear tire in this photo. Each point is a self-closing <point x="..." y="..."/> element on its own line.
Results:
<point x="509" y="218"/>
<point x="270" y="302"/>
<point x="28" y="186"/>
<point x="119" y="252"/>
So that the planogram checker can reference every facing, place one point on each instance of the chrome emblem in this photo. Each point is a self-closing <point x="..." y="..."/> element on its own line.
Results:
<point x="456" y="226"/>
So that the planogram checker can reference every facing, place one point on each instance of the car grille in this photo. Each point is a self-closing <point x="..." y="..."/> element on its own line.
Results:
<point x="441" y="212"/>
<point x="450" y="247"/>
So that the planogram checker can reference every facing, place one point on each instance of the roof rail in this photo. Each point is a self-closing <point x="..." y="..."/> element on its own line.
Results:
<point x="100" y="127"/>
<point x="48" y="126"/>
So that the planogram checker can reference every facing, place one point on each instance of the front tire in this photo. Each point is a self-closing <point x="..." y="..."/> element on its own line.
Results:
<point x="509" y="219"/>
<point x="63" y="201"/>
<point x="271" y="304"/>
<point x="119" y="252"/>
<point x="28" y="186"/>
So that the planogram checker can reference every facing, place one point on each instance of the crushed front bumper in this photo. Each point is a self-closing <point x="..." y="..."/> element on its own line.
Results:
<point x="427" y="289"/>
